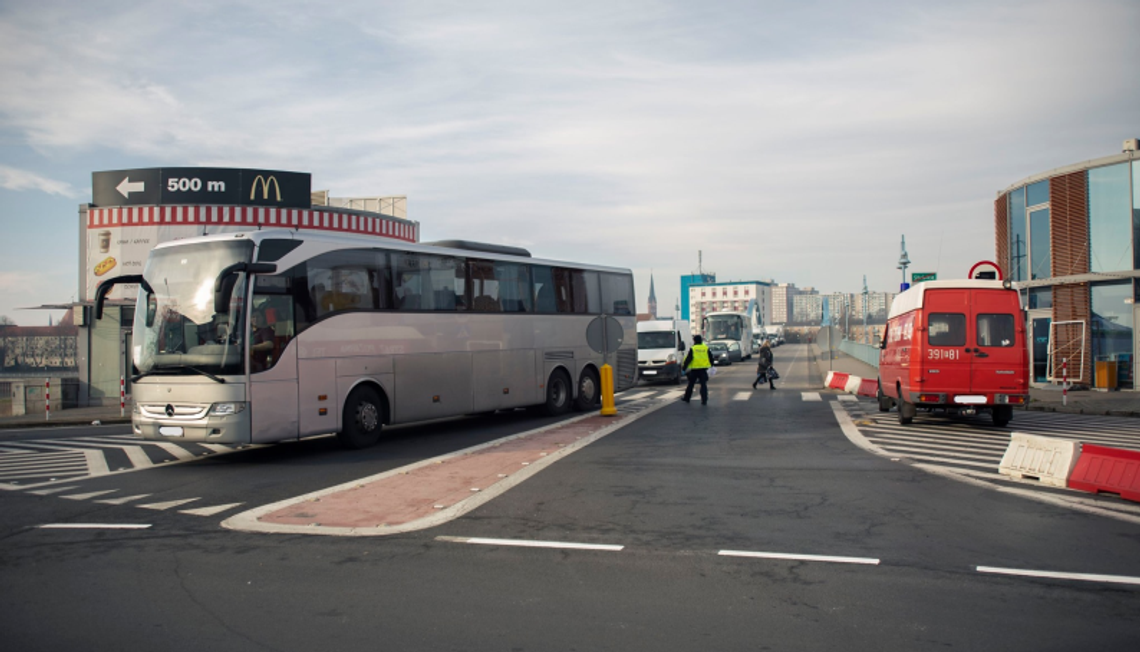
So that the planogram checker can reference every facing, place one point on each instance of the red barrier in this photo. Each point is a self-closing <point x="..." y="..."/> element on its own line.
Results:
<point x="869" y="387"/>
<point x="836" y="380"/>
<point x="1103" y="469"/>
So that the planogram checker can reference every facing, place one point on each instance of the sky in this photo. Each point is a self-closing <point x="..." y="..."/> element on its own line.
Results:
<point x="796" y="142"/>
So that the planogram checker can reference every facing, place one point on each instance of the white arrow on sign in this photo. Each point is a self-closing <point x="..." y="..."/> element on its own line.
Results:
<point x="126" y="187"/>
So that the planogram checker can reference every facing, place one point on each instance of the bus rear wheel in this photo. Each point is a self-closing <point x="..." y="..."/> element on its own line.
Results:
<point x="558" y="393"/>
<point x="363" y="419"/>
<point x="589" y="391"/>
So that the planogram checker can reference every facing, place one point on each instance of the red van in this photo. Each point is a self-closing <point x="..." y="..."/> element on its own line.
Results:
<point x="957" y="346"/>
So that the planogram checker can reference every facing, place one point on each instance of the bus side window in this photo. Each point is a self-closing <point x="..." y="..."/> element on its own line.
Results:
<point x="544" y="292"/>
<point x="514" y="287"/>
<point x="484" y="286"/>
<point x="563" y="290"/>
<point x="617" y="294"/>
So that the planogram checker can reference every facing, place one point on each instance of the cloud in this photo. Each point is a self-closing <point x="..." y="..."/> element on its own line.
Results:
<point x="14" y="179"/>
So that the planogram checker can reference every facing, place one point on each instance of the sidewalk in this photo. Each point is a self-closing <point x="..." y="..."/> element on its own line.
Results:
<point x="1048" y="399"/>
<point x="72" y="417"/>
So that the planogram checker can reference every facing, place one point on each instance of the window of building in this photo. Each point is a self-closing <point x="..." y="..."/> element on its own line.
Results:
<point x="1039" y="246"/>
<point x="1112" y="327"/>
<point x="1018" y="240"/>
<point x="1040" y="298"/>
<point x="1037" y="194"/>
<point x="1110" y="219"/>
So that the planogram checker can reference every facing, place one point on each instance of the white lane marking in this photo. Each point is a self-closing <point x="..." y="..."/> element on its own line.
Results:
<point x="217" y="448"/>
<point x="121" y="501"/>
<point x="138" y="457"/>
<point x="89" y="495"/>
<point x="53" y="490"/>
<point x="96" y="463"/>
<point x="94" y="526"/>
<point x="532" y="544"/>
<point x="742" y="396"/>
<point x="635" y="397"/>
<point x="56" y="462"/>
<point x="795" y="557"/>
<point x="169" y="504"/>
<point x="811" y="396"/>
<point x="13" y="451"/>
<point x="208" y="511"/>
<point x="176" y="450"/>
<point x="79" y="470"/>
<point x="1083" y="577"/>
<point x="847" y="398"/>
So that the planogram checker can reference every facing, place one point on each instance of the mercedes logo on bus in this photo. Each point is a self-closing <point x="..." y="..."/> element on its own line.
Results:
<point x="169" y="410"/>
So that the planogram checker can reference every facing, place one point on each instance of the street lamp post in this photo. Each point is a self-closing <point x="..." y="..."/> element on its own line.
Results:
<point x="904" y="262"/>
<point x="866" y="337"/>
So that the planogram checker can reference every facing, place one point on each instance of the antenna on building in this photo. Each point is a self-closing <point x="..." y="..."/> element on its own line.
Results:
<point x="700" y="263"/>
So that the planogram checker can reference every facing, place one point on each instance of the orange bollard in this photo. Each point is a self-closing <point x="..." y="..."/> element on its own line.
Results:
<point x="608" y="409"/>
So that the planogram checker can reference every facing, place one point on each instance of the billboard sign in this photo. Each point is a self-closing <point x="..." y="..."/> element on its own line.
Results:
<point x="201" y="186"/>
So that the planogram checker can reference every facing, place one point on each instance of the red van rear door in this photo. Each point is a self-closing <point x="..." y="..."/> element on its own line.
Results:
<point x="946" y="358"/>
<point x="1000" y="362"/>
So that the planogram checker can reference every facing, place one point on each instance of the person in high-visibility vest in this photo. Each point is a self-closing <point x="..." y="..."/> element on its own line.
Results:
<point x="697" y="366"/>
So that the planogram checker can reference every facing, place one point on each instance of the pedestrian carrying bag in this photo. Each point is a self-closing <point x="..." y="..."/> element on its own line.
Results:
<point x="712" y="371"/>
<point x="772" y="375"/>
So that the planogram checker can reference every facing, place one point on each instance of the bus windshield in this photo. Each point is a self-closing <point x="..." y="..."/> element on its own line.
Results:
<point x="176" y="330"/>
<point x="725" y="327"/>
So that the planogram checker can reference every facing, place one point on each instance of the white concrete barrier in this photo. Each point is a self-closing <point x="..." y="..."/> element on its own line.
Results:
<point x="852" y="386"/>
<point x="1032" y="457"/>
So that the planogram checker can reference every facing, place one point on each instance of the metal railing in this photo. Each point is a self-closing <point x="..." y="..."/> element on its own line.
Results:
<point x="862" y="352"/>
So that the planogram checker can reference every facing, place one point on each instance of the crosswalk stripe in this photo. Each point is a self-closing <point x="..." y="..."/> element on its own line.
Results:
<point x="893" y="444"/>
<point x="959" y="442"/>
<point x="742" y="396"/>
<point x="89" y="495"/>
<point x="811" y="396"/>
<point x="208" y="511"/>
<point x="138" y="457"/>
<point x="168" y="504"/>
<point x="847" y="398"/>
<point x="96" y="463"/>
<point x="53" y="490"/>
<point x="175" y="450"/>
<point x="122" y="501"/>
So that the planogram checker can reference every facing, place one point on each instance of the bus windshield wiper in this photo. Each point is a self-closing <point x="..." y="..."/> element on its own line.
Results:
<point x="166" y="371"/>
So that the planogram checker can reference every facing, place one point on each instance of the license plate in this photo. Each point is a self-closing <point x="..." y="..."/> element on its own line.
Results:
<point x="649" y="372"/>
<point x="970" y="400"/>
<point x="170" y="431"/>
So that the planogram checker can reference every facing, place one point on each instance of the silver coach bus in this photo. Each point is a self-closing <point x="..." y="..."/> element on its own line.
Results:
<point x="275" y="335"/>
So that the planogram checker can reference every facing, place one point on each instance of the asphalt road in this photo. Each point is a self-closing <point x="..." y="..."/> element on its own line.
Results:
<point x="651" y="511"/>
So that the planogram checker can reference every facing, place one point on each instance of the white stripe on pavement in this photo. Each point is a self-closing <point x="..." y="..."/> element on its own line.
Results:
<point x="742" y="396"/>
<point x="94" y="526"/>
<point x="532" y="544"/>
<point x="1083" y="577"/>
<point x="796" y="557"/>
<point x="208" y="511"/>
<point x="811" y="396"/>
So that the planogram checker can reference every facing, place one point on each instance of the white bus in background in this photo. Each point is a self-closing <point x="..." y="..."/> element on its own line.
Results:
<point x="661" y="348"/>
<point x="276" y="335"/>
<point x="729" y="327"/>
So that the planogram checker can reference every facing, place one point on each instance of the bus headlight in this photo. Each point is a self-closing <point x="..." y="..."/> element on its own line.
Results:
<point x="225" y="409"/>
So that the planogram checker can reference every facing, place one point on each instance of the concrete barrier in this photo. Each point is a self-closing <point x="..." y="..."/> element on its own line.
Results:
<point x="852" y="385"/>
<point x="1032" y="457"/>
<point x="1107" y="470"/>
<point x="836" y="380"/>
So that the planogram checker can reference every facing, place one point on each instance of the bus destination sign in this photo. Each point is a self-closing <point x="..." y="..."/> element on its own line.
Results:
<point x="211" y="186"/>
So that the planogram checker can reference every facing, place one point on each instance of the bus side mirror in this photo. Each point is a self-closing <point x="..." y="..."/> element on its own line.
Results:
<point x="105" y="288"/>
<point x="227" y="278"/>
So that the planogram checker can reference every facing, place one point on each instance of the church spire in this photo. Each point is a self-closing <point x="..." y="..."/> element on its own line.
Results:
<point x="652" y="298"/>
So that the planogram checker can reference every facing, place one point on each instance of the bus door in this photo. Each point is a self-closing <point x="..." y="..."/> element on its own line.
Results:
<point x="272" y="362"/>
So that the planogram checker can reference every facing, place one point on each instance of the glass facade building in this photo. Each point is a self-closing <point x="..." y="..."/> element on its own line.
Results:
<point x="1068" y="239"/>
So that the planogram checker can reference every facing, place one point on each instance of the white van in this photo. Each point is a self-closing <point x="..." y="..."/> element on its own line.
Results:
<point x="661" y="348"/>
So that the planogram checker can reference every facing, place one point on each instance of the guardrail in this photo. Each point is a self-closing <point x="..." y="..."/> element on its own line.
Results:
<point x="862" y="352"/>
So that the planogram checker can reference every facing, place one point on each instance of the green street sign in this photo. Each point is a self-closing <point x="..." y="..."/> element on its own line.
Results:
<point x="919" y="277"/>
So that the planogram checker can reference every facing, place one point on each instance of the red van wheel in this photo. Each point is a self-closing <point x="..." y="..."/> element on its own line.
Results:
<point x="906" y="412"/>
<point x="1002" y="414"/>
<point x="885" y="402"/>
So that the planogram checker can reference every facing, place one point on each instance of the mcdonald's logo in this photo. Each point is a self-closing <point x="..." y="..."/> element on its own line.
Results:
<point x="265" y="181"/>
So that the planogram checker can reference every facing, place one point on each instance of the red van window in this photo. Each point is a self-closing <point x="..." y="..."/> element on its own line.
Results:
<point x="946" y="329"/>
<point x="995" y="330"/>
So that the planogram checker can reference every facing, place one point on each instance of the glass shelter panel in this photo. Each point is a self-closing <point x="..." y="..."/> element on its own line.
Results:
<point x="1112" y="328"/>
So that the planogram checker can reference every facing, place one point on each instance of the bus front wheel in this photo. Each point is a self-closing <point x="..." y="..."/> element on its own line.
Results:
<point x="558" y="393"/>
<point x="363" y="419"/>
<point x="589" y="391"/>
